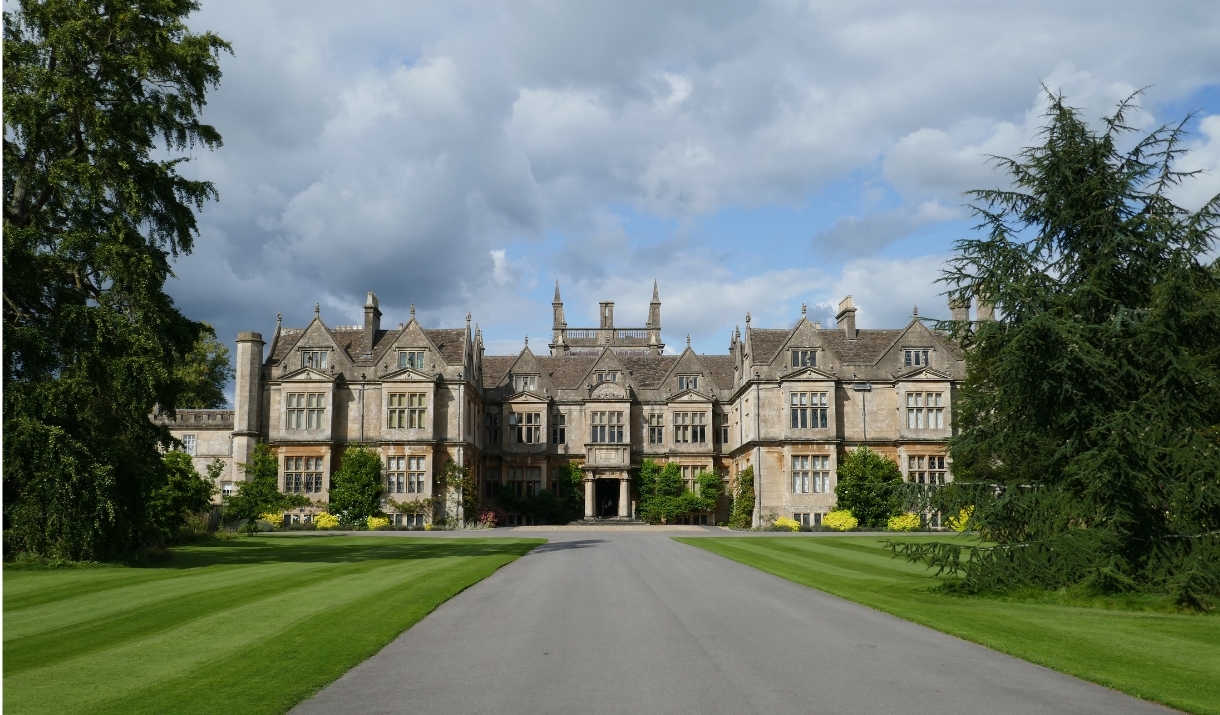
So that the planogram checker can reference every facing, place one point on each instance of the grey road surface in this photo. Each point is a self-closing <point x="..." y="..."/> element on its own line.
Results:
<point x="622" y="622"/>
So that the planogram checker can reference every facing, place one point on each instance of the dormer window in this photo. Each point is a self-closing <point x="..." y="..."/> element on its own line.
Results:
<point x="521" y="383"/>
<point x="804" y="358"/>
<point x="688" y="382"/>
<point x="915" y="358"/>
<point x="607" y="376"/>
<point x="411" y="358"/>
<point x="314" y="358"/>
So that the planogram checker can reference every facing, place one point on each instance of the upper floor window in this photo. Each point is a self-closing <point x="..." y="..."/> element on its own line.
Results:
<point x="925" y="410"/>
<point x="607" y="376"/>
<point x="690" y="427"/>
<point x="656" y="429"/>
<point x="606" y="427"/>
<point x="521" y="383"/>
<point x="314" y="358"/>
<point x="492" y="423"/>
<point x="303" y="475"/>
<point x="810" y="473"/>
<point x="688" y="382"/>
<point x="526" y="427"/>
<point x="804" y="358"/>
<point x="926" y="470"/>
<point x="559" y="428"/>
<point x="411" y="358"/>
<point x="406" y="410"/>
<point x="720" y="432"/>
<point x="306" y="410"/>
<point x="808" y="410"/>
<point x="690" y="474"/>
<point x="188" y="444"/>
<point x="915" y="358"/>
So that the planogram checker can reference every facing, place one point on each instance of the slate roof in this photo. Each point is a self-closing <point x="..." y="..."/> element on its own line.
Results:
<point x="449" y="342"/>
<point x="765" y="342"/>
<point x="720" y="367"/>
<point x="284" y="344"/>
<point x="494" y="369"/>
<point x="567" y="373"/>
<point x="649" y="372"/>
<point x="866" y="349"/>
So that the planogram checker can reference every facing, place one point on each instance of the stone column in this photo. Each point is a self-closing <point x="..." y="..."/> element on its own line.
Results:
<point x="624" y="495"/>
<point x="590" y="496"/>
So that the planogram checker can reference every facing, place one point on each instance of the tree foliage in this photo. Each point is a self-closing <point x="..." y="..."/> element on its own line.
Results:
<point x="203" y="372"/>
<point x="260" y="492"/>
<point x="183" y="493"/>
<point x="356" y="487"/>
<point x="868" y="487"/>
<point x="741" y="514"/>
<point x="664" y="497"/>
<point x="1089" y="450"/>
<point x="100" y="100"/>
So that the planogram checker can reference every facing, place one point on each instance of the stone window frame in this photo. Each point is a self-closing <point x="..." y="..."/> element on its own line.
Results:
<point x="405" y="361"/>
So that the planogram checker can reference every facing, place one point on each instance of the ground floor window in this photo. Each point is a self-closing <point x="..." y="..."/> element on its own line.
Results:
<point x="302" y="475"/>
<point x="414" y="519"/>
<point x="801" y="517"/>
<point x="926" y="469"/>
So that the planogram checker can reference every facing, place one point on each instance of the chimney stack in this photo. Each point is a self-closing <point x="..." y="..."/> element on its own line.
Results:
<point x="372" y="323"/>
<point x="959" y="308"/>
<point x="986" y="309"/>
<point x="846" y="318"/>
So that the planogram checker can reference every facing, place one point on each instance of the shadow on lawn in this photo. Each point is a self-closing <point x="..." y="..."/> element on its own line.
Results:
<point x="332" y="550"/>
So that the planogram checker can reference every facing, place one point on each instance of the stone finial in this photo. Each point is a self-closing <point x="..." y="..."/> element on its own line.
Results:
<point x="915" y="311"/>
<point x="747" y="320"/>
<point x="468" y="320"/>
<point x="817" y="325"/>
<point x="527" y="341"/>
<point x="688" y="340"/>
<point x="279" y="320"/>
<point x="412" y="311"/>
<point x="802" y="310"/>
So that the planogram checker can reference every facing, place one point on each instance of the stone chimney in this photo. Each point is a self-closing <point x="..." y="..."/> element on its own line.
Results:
<point x="846" y="317"/>
<point x="959" y="309"/>
<point x="986" y="309"/>
<point x="247" y="395"/>
<point x="607" y="311"/>
<point x="372" y="323"/>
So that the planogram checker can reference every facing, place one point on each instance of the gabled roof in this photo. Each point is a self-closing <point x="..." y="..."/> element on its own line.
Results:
<point x="648" y="373"/>
<point x="866" y="349"/>
<point x="765" y="342"/>
<point x="495" y="367"/>
<point x="720" y="367"/>
<point x="566" y="373"/>
<point x="449" y="342"/>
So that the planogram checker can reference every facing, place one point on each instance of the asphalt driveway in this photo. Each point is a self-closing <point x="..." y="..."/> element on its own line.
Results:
<point x="630" y="622"/>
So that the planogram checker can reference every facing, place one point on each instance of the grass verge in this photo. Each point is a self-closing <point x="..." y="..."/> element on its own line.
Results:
<point x="1170" y="658"/>
<point x="248" y="626"/>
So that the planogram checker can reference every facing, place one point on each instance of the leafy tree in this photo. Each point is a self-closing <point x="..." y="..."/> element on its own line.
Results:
<point x="867" y="487"/>
<point x="183" y="493"/>
<point x="664" y="497"/>
<point x="260" y="493"/>
<point x="1090" y="417"/>
<point x="203" y="372"/>
<point x="741" y="515"/>
<point x="356" y="488"/>
<point x="100" y="101"/>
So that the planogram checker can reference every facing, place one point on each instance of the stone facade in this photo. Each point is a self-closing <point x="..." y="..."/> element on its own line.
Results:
<point x="788" y="401"/>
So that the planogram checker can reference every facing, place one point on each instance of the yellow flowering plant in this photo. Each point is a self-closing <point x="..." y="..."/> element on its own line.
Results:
<point x="325" y="521"/>
<point x="903" y="522"/>
<point x="840" y="520"/>
<point x="272" y="518"/>
<point x="790" y="524"/>
<point x="376" y="522"/>
<point x="961" y="521"/>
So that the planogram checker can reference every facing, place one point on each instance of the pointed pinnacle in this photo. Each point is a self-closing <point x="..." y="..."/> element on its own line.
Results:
<point x="656" y="297"/>
<point x="557" y="298"/>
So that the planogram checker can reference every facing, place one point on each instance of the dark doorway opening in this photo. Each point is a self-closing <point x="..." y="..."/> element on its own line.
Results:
<point x="607" y="498"/>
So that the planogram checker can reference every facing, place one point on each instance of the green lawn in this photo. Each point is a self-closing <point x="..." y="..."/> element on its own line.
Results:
<point x="245" y="626"/>
<point x="1171" y="658"/>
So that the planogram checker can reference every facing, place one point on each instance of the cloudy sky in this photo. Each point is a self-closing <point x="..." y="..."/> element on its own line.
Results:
<point x="748" y="156"/>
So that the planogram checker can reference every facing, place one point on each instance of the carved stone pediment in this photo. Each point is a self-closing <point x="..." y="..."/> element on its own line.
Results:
<point x="809" y="373"/>
<point x="308" y="374"/>
<point x="925" y="373"/>
<point x="608" y="391"/>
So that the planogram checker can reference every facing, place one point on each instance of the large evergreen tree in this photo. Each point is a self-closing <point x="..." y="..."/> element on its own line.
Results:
<point x="101" y="98"/>
<point x="1089" y="445"/>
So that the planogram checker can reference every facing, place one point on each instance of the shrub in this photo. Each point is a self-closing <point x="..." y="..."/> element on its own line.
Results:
<point x="961" y="521"/>
<point x="869" y="486"/>
<point x="377" y="522"/>
<point x="356" y="488"/>
<point x="325" y="521"/>
<point x="742" y="512"/>
<point x="785" y="523"/>
<point x="903" y="522"/>
<point x="840" y="520"/>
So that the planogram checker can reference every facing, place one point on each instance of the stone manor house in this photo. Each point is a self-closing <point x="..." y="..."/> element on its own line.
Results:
<point x="788" y="401"/>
